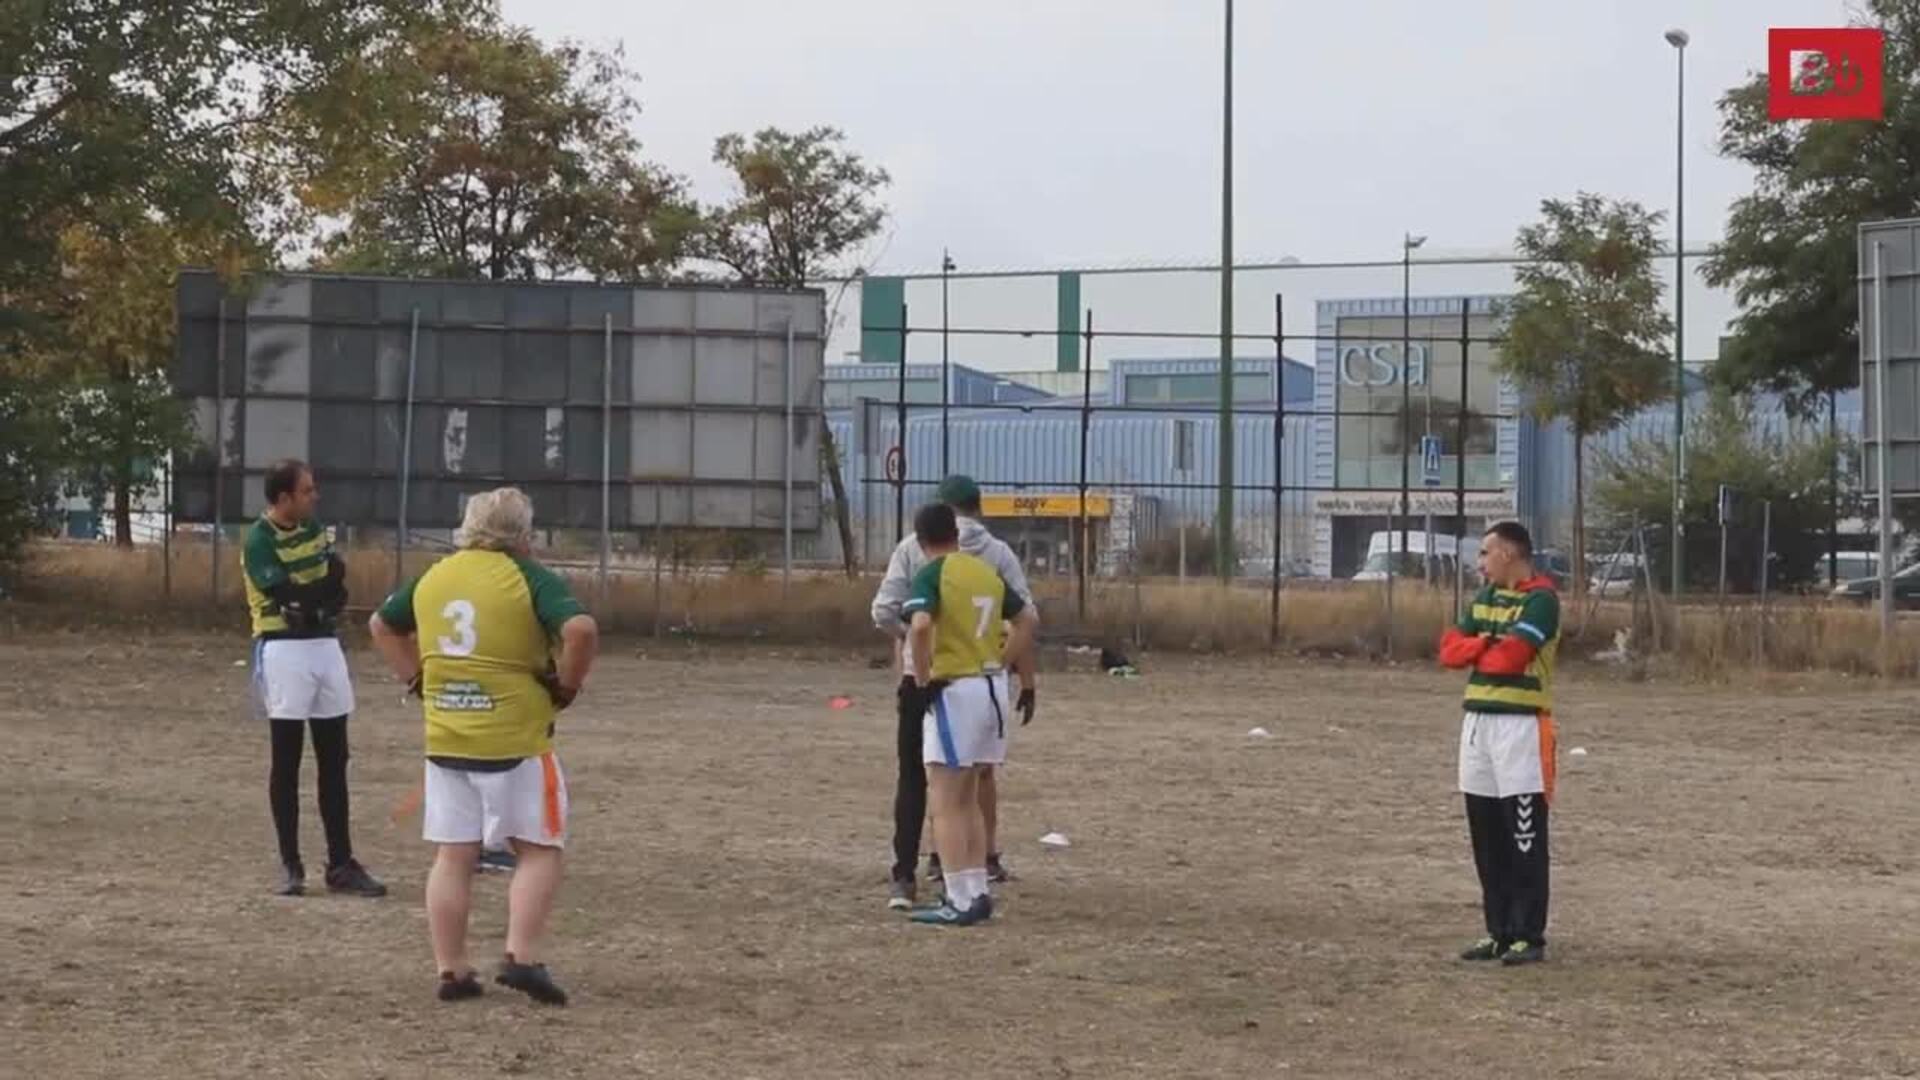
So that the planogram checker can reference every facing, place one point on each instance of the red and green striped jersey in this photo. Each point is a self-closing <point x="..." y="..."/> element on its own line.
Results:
<point x="1529" y="611"/>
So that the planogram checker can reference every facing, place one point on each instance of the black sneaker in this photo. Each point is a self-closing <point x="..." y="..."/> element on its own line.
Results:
<point x="531" y="980"/>
<point x="293" y="880"/>
<point x="1521" y="952"/>
<point x="1484" y="949"/>
<point x="997" y="871"/>
<point x="933" y="868"/>
<point x="351" y="877"/>
<point x="459" y="988"/>
<point x="901" y="893"/>
<point x="498" y="862"/>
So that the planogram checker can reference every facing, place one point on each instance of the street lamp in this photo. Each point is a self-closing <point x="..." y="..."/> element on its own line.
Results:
<point x="1679" y="39"/>
<point x="946" y="370"/>
<point x="1407" y="246"/>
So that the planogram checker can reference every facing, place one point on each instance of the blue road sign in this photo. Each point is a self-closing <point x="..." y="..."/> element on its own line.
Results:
<point x="1430" y="460"/>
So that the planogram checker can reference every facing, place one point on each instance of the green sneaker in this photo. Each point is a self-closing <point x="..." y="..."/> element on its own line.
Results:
<point x="1484" y="949"/>
<point x="1521" y="952"/>
<point x="945" y="914"/>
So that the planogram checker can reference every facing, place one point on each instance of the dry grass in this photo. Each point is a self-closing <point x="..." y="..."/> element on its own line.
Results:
<point x="85" y="583"/>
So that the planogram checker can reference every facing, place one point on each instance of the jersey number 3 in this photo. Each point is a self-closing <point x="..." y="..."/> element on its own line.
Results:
<point x="464" y="639"/>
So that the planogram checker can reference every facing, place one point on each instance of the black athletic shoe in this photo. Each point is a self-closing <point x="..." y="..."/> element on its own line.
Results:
<point x="1484" y="949"/>
<point x="293" y="880"/>
<point x="997" y="871"/>
<point x="901" y="893"/>
<point x="351" y="877"/>
<point x="459" y="988"/>
<point x="499" y="862"/>
<point x="1521" y="952"/>
<point x="933" y="868"/>
<point x="531" y="980"/>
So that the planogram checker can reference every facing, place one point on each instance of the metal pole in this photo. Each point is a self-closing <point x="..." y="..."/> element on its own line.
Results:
<point x="1679" y="40"/>
<point x="946" y="370"/>
<point x="1406" y="392"/>
<point x="1086" y="430"/>
<point x="659" y="531"/>
<point x="406" y="449"/>
<point x="900" y="437"/>
<point x="1279" y="460"/>
<point x="1833" y="488"/>
<point x="219" y="448"/>
<point x="1881" y="429"/>
<point x="1460" y="459"/>
<point x="1223" y="523"/>
<point x="606" y="451"/>
<point x="166" y="538"/>
<point x="786" y="491"/>
<point x="1766" y="571"/>
<point x="1725" y="501"/>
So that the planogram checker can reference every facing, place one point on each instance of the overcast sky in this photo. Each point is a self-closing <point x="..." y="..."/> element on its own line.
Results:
<point x="1050" y="133"/>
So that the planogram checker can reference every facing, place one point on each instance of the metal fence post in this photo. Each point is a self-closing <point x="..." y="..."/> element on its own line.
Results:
<point x="1460" y="459"/>
<point x="219" y="449"/>
<point x="606" y="451"/>
<point x="1279" y="459"/>
<point x="1086" y="431"/>
<point x="406" y="449"/>
<point x="900" y="438"/>
<point x="786" y="484"/>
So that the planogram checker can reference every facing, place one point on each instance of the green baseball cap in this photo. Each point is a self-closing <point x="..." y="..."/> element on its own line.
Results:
<point x="958" y="490"/>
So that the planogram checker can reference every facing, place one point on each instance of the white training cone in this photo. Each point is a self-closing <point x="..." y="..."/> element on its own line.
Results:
<point x="1259" y="733"/>
<point x="1054" y="839"/>
<point x="1578" y="751"/>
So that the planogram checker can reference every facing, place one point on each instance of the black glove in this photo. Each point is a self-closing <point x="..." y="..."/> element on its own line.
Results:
<point x="334" y="590"/>
<point x="1024" y="705"/>
<point x="558" y="694"/>
<point x="300" y="616"/>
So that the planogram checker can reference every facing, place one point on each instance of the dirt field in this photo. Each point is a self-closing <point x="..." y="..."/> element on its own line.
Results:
<point x="1734" y="884"/>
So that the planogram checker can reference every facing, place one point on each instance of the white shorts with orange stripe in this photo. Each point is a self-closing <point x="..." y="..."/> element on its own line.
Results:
<point x="527" y="802"/>
<point x="1505" y="754"/>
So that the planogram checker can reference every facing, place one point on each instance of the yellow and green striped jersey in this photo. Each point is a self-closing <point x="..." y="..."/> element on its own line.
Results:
<point x="270" y="557"/>
<point x="486" y="622"/>
<point x="1529" y="611"/>
<point x="969" y="602"/>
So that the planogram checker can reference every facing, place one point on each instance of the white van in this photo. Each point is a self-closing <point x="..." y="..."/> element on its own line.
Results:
<point x="1448" y="557"/>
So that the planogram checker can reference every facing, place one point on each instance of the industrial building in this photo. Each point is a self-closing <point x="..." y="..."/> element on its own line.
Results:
<point x="1150" y="432"/>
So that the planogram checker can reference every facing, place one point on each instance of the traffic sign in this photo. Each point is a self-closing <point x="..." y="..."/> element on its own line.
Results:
<point x="1430" y="460"/>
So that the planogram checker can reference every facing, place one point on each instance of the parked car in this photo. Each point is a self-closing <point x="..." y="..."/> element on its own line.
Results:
<point x="1616" y="577"/>
<point x="1853" y="565"/>
<point x="1906" y="588"/>
<point x="1556" y="565"/>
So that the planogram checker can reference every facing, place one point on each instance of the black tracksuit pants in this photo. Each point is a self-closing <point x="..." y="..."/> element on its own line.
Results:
<point x="910" y="790"/>
<point x="1510" y="852"/>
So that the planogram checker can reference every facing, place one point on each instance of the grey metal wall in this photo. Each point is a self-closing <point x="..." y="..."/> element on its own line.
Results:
<point x="674" y="399"/>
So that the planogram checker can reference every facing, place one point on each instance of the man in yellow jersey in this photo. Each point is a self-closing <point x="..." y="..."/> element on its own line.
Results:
<point x="1508" y="641"/>
<point x="296" y="589"/>
<point x="474" y="637"/>
<point x="961" y="653"/>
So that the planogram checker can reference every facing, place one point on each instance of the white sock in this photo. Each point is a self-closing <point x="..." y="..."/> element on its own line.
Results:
<point x="966" y="886"/>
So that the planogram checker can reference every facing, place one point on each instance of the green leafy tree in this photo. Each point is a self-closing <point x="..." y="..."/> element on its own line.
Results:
<point x="1789" y="252"/>
<point x="32" y="453"/>
<point x="1793" y="468"/>
<point x="478" y="151"/>
<point x="1585" y="330"/>
<point x="804" y="202"/>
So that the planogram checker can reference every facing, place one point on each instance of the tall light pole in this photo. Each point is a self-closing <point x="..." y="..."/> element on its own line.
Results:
<point x="1678" y="39"/>
<point x="1407" y="245"/>
<point x="1223" y="520"/>
<point x="946" y="370"/>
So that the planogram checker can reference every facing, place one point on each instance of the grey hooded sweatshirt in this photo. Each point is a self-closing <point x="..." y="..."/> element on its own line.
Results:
<point x="907" y="560"/>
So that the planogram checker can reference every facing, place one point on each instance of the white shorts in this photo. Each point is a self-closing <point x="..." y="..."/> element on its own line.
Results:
<point x="527" y="802"/>
<point x="301" y="680"/>
<point x="966" y="723"/>
<point x="1503" y="754"/>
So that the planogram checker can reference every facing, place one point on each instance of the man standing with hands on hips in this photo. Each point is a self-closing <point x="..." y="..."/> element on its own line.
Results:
<point x="1508" y="642"/>
<point x="910" y="789"/>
